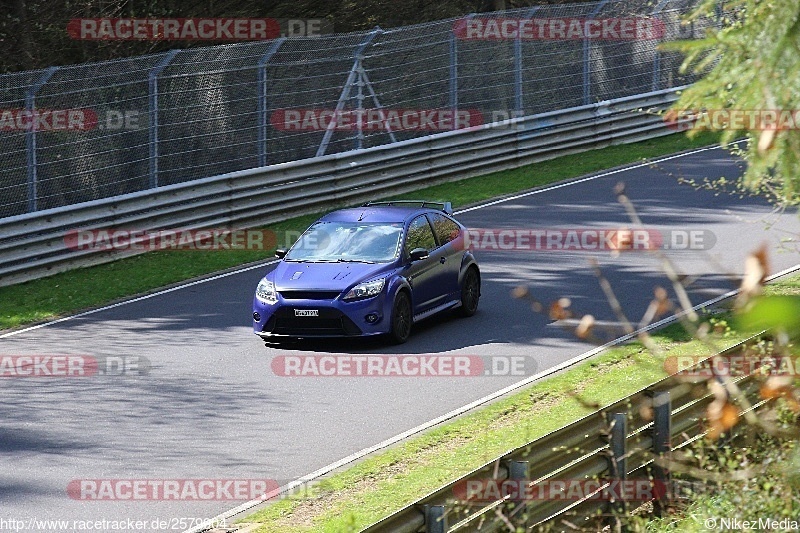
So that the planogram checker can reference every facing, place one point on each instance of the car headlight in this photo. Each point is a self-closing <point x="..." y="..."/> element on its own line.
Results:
<point x="365" y="290"/>
<point x="266" y="291"/>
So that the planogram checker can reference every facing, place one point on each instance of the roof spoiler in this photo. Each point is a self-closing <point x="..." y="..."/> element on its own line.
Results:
<point x="441" y="206"/>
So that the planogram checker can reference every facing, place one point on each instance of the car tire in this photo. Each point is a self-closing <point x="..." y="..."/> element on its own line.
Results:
<point x="470" y="292"/>
<point x="401" y="318"/>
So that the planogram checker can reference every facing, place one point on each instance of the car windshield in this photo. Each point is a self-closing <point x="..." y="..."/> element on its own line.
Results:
<point x="348" y="241"/>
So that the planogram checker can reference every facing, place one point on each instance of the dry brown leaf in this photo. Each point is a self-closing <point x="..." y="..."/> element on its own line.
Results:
<point x="519" y="291"/>
<point x="585" y="326"/>
<point x="558" y="312"/>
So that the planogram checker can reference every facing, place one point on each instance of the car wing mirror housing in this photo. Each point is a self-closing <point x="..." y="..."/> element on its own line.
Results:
<point x="418" y="254"/>
<point x="280" y="253"/>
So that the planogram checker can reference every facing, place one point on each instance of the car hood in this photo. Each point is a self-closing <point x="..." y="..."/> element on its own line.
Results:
<point x="323" y="276"/>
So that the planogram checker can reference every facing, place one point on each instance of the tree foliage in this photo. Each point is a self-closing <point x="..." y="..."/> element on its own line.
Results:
<point x="753" y="63"/>
<point x="33" y="32"/>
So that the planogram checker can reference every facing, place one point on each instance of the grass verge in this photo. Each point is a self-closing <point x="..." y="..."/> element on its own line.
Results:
<point x="84" y="288"/>
<point x="377" y="486"/>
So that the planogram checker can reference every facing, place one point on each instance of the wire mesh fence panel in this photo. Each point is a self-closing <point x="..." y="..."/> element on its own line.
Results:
<point x="14" y="168"/>
<point x="79" y="133"/>
<point x="96" y="155"/>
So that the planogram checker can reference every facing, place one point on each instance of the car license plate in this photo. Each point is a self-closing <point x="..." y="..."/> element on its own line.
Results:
<point x="306" y="312"/>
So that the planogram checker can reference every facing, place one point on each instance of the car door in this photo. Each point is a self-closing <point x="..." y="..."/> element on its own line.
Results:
<point x="449" y="255"/>
<point x="423" y="274"/>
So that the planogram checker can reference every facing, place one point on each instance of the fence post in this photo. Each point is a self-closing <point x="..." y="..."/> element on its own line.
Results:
<point x="152" y="79"/>
<point x="359" y="105"/>
<point x="657" y="57"/>
<point x="435" y="519"/>
<point x="662" y="429"/>
<point x="454" y="67"/>
<point x="348" y="85"/>
<point x="263" y="120"/>
<point x="587" y="48"/>
<point x="518" y="96"/>
<point x="518" y="74"/>
<point x="30" y="138"/>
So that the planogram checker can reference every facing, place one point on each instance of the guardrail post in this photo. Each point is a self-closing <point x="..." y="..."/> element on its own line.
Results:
<point x="30" y="139"/>
<point x="435" y="519"/>
<point x="152" y="80"/>
<point x="662" y="429"/>
<point x="618" y="423"/>
<point x="263" y="119"/>
<point x="520" y="471"/>
<point x="619" y="429"/>
<point x="587" y="49"/>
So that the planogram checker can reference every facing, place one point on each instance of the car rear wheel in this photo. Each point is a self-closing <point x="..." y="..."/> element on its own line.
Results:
<point x="470" y="292"/>
<point x="401" y="318"/>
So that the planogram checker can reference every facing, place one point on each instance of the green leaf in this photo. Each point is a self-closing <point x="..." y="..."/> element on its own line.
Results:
<point x="772" y="312"/>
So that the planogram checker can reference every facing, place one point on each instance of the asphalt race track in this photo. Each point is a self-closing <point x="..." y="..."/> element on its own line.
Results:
<point x="212" y="408"/>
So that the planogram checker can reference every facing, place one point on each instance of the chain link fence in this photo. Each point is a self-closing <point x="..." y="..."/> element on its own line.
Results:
<point x="80" y="133"/>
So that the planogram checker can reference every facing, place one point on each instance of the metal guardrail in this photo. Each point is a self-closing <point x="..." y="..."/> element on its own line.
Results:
<point x="33" y="245"/>
<point x="617" y="442"/>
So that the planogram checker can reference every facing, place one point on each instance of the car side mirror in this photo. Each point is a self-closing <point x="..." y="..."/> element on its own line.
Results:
<point x="418" y="254"/>
<point x="280" y="253"/>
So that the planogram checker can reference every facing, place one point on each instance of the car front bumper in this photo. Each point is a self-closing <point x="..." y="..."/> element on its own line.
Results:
<point x="333" y="318"/>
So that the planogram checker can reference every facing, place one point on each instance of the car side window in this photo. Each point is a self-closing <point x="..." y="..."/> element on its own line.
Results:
<point x="446" y="230"/>
<point x="419" y="235"/>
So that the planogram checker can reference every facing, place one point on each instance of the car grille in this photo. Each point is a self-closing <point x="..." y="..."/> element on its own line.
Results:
<point x="309" y="295"/>
<point x="330" y="322"/>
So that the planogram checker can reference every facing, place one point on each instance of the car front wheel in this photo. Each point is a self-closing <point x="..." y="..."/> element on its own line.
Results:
<point x="401" y="318"/>
<point x="470" y="292"/>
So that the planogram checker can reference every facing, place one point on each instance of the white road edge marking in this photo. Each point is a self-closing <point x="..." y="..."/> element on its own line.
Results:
<point x="461" y="410"/>
<point x="273" y="261"/>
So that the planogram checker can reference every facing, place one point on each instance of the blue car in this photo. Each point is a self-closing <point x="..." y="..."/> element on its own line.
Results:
<point x="370" y="270"/>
